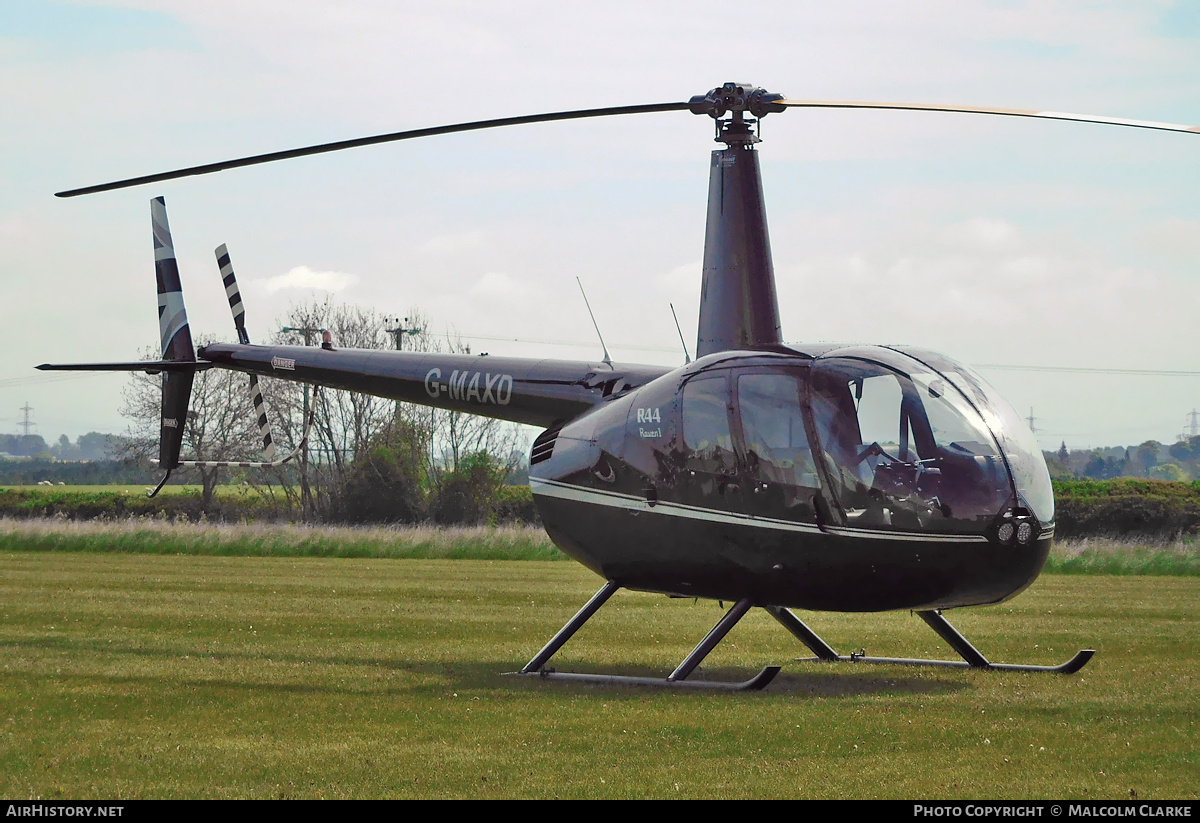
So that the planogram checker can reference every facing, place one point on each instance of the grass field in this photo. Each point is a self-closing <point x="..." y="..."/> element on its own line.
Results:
<point x="135" y="675"/>
<point x="143" y="535"/>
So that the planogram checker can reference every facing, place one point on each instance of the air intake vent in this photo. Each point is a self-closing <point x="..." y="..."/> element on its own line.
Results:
<point x="543" y="447"/>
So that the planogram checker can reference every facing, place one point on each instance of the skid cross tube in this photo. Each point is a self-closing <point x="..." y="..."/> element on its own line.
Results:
<point x="972" y="658"/>
<point x="803" y="633"/>
<point x="710" y="641"/>
<point x="573" y="625"/>
<point x="677" y="679"/>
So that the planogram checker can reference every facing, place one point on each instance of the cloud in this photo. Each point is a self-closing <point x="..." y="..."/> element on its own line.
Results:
<point x="452" y="243"/>
<point x="302" y="277"/>
<point x="14" y="229"/>
<point x="1173" y="238"/>
<point x="499" y="286"/>
<point x="681" y="280"/>
<point x="982" y="234"/>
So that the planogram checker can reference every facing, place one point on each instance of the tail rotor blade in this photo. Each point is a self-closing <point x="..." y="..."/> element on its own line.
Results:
<point x="239" y="322"/>
<point x="232" y="293"/>
<point x="260" y="414"/>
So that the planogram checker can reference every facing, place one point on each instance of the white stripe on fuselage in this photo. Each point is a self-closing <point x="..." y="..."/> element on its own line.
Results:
<point x="629" y="502"/>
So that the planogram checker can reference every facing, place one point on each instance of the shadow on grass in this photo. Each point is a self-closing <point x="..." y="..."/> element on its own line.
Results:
<point x="845" y="684"/>
<point x="834" y="684"/>
<point x="473" y="674"/>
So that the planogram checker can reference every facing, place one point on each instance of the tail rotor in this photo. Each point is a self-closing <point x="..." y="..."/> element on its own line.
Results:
<point x="238" y="309"/>
<point x="239" y="322"/>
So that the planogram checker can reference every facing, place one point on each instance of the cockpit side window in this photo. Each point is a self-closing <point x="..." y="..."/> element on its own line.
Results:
<point x="776" y="443"/>
<point x="706" y="433"/>
<point x="878" y="403"/>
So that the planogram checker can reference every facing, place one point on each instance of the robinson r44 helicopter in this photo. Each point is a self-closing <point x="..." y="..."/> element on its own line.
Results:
<point x="841" y="478"/>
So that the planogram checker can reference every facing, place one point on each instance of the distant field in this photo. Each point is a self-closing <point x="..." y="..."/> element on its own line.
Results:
<point x="183" y="676"/>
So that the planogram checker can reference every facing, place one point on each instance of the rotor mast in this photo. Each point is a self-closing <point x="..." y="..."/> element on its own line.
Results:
<point x="739" y="308"/>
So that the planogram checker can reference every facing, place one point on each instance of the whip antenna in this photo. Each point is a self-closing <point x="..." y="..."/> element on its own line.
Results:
<point x="687" y="358"/>
<point x="607" y="359"/>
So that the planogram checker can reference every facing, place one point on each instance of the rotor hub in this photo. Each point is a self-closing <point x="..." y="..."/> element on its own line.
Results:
<point x="736" y="100"/>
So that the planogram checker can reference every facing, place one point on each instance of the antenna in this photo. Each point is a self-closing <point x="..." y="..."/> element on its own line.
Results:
<point x="687" y="358"/>
<point x="607" y="359"/>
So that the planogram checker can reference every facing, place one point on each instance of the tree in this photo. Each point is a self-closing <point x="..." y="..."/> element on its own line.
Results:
<point x="220" y="422"/>
<point x="1186" y="450"/>
<point x="469" y="494"/>
<point x="97" y="446"/>
<point x="1103" y="467"/>
<point x="1168" y="471"/>
<point x="24" y="445"/>
<point x="455" y="437"/>
<point x="1147" y="455"/>
<point x="384" y="482"/>
<point x="64" y="450"/>
<point x="350" y="425"/>
<point x="357" y="442"/>
<point x="345" y="422"/>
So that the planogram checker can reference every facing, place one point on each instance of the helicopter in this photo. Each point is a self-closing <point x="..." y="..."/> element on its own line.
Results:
<point x="847" y="478"/>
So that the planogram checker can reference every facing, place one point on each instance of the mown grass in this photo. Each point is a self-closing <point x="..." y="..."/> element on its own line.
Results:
<point x="198" y="676"/>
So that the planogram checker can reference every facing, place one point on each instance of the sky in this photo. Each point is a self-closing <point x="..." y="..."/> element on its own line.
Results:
<point x="998" y="241"/>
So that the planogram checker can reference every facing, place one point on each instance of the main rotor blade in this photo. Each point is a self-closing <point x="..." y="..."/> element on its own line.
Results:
<point x="322" y="148"/>
<point x="1048" y="115"/>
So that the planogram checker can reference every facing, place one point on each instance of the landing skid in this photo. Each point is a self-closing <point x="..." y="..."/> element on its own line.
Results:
<point x="676" y="679"/>
<point x="972" y="657"/>
<point x="754" y="684"/>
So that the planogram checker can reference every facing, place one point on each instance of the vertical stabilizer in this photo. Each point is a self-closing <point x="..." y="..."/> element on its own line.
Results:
<point x="176" y="338"/>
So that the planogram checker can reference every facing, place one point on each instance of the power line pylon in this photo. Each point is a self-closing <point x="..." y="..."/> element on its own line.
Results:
<point x="26" y="424"/>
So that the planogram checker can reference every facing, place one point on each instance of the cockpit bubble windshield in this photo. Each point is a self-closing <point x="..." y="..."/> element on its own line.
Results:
<point x="1021" y="449"/>
<point x="903" y="447"/>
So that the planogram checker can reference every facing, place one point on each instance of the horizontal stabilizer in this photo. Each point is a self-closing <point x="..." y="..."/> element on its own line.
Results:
<point x="148" y="366"/>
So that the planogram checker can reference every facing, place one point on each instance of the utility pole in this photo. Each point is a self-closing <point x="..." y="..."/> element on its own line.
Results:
<point x="399" y="331"/>
<point x="1032" y="428"/>
<point x="307" y="504"/>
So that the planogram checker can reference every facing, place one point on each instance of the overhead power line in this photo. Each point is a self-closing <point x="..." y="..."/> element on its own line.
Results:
<point x="1085" y="370"/>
